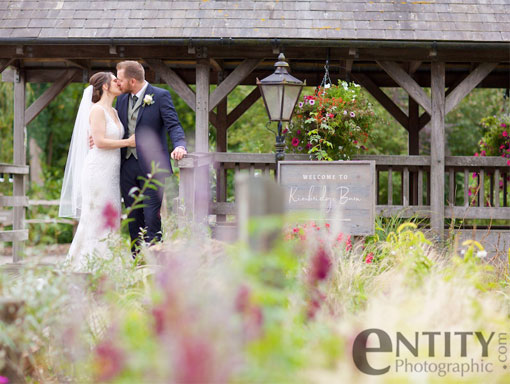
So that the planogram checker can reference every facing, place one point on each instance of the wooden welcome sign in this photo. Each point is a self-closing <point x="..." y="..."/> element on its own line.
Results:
<point x="341" y="193"/>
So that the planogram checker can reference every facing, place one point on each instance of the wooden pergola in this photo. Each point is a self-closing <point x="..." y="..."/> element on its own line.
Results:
<point x="446" y="46"/>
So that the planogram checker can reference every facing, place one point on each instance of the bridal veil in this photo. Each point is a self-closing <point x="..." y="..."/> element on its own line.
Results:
<point x="70" y="196"/>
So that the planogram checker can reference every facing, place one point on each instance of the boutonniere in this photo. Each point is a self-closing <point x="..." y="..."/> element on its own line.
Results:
<point x="148" y="100"/>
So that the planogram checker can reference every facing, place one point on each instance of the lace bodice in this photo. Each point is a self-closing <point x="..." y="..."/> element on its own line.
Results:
<point x="113" y="130"/>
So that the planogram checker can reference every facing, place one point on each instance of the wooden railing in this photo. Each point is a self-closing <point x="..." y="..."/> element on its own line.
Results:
<point x="402" y="183"/>
<point x="18" y="233"/>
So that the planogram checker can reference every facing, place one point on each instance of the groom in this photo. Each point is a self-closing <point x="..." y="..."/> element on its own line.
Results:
<point x="149" y="113"/>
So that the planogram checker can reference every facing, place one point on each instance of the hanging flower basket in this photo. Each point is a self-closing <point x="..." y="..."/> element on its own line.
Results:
<point x="331" y="124"/>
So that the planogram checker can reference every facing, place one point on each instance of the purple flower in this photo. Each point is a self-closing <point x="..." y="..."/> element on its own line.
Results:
<point x="300" y="104"/>
<point x="352" y="114"/>
<point x="311" y="101"/>
<point x="4" y="380"/>
<point x="308" y="145"/>
<point x="503" y="125"/>
<point x="299" y="149"/>
<point x="345" y="113"/>
<point x="298" y="132"/>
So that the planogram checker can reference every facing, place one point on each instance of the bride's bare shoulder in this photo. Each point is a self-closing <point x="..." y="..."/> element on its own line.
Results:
<point x="97" y="112"/>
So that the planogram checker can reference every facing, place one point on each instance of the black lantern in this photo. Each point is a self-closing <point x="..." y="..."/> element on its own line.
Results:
<point x="280" y="92"/>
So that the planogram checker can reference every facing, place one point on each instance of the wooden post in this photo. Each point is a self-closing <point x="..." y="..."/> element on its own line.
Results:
<point x="19" y="147"/>
<point x="194" y="186"/>
<point x="258" y="198"/>
<point x="413" y="131"/>
<point x="202" y="106"/>
<point x="221" y="146"/>
<point x="437" y="159"/>
<point x="414" y="128"/>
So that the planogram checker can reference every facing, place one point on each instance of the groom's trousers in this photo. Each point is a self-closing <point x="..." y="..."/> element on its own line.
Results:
<point x="148" y="217"/>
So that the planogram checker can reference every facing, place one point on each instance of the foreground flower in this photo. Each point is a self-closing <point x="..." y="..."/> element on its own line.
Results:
<point x="195" y="361"/>
<point x="110" y="217"/>
<point x="321" y="265"/>
<point x="295" y="141"/>
<point x="251" y="313"/>
<point x="482" y="254"/>
<point x="109" y="361"/>
<point x="4" y="380"/>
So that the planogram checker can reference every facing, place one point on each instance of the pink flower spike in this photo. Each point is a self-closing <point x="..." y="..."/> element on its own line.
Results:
<point x="4" y="380"/>
<point x="320" y="266"/>
<point x="110" y="217"/>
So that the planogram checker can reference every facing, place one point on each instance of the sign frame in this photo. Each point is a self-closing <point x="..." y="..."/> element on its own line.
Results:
<point x="370" y="164"/>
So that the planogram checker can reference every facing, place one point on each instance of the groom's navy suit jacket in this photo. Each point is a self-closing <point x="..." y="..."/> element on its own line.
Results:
<point x="152" y="125"/>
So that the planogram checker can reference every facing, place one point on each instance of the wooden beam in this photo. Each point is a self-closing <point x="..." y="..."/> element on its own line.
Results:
<point x="406" y="82"/>
<point x="221" y="128"/>
<point x="348" y="66"/>
<point x="13" y="201"/>
<point x="437" y="148"/>
<point x="382" y="98"/>
<point x="243" y="106"/>
<point x="413" y="128"/>
<point x="202" y="106"/>
<point x="232" y="80"/>
<point x="83" y="64"/>
<point x="174" y="81"/>
<point x="215" y="65"/>
<point x="15" y="236"/>
<point x="4" y="63"/>
<point x="468" y="84"/>
<point x="14" y="169"/>
<point x="413" y="66"/>
<point x="213" y="119"/>
<point x="48" y="96"/>
<point x="20" y="159"/>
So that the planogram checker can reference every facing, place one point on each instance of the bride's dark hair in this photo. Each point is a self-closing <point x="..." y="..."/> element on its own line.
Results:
<point x="97" y="81"/>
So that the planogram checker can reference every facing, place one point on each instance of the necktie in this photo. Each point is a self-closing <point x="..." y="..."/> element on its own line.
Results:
<point x="135" y="99"/>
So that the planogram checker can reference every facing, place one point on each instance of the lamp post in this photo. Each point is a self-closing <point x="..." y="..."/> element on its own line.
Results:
<point x="280" y="92"/>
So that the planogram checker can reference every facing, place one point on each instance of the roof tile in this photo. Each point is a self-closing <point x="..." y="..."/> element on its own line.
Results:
<point x="455" y="20"/>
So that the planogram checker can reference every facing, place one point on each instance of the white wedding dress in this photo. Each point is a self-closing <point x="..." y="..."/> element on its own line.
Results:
<point x="100" y="188"/>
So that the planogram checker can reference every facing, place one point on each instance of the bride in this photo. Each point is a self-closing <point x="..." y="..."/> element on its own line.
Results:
<point x="91" y="190"/>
